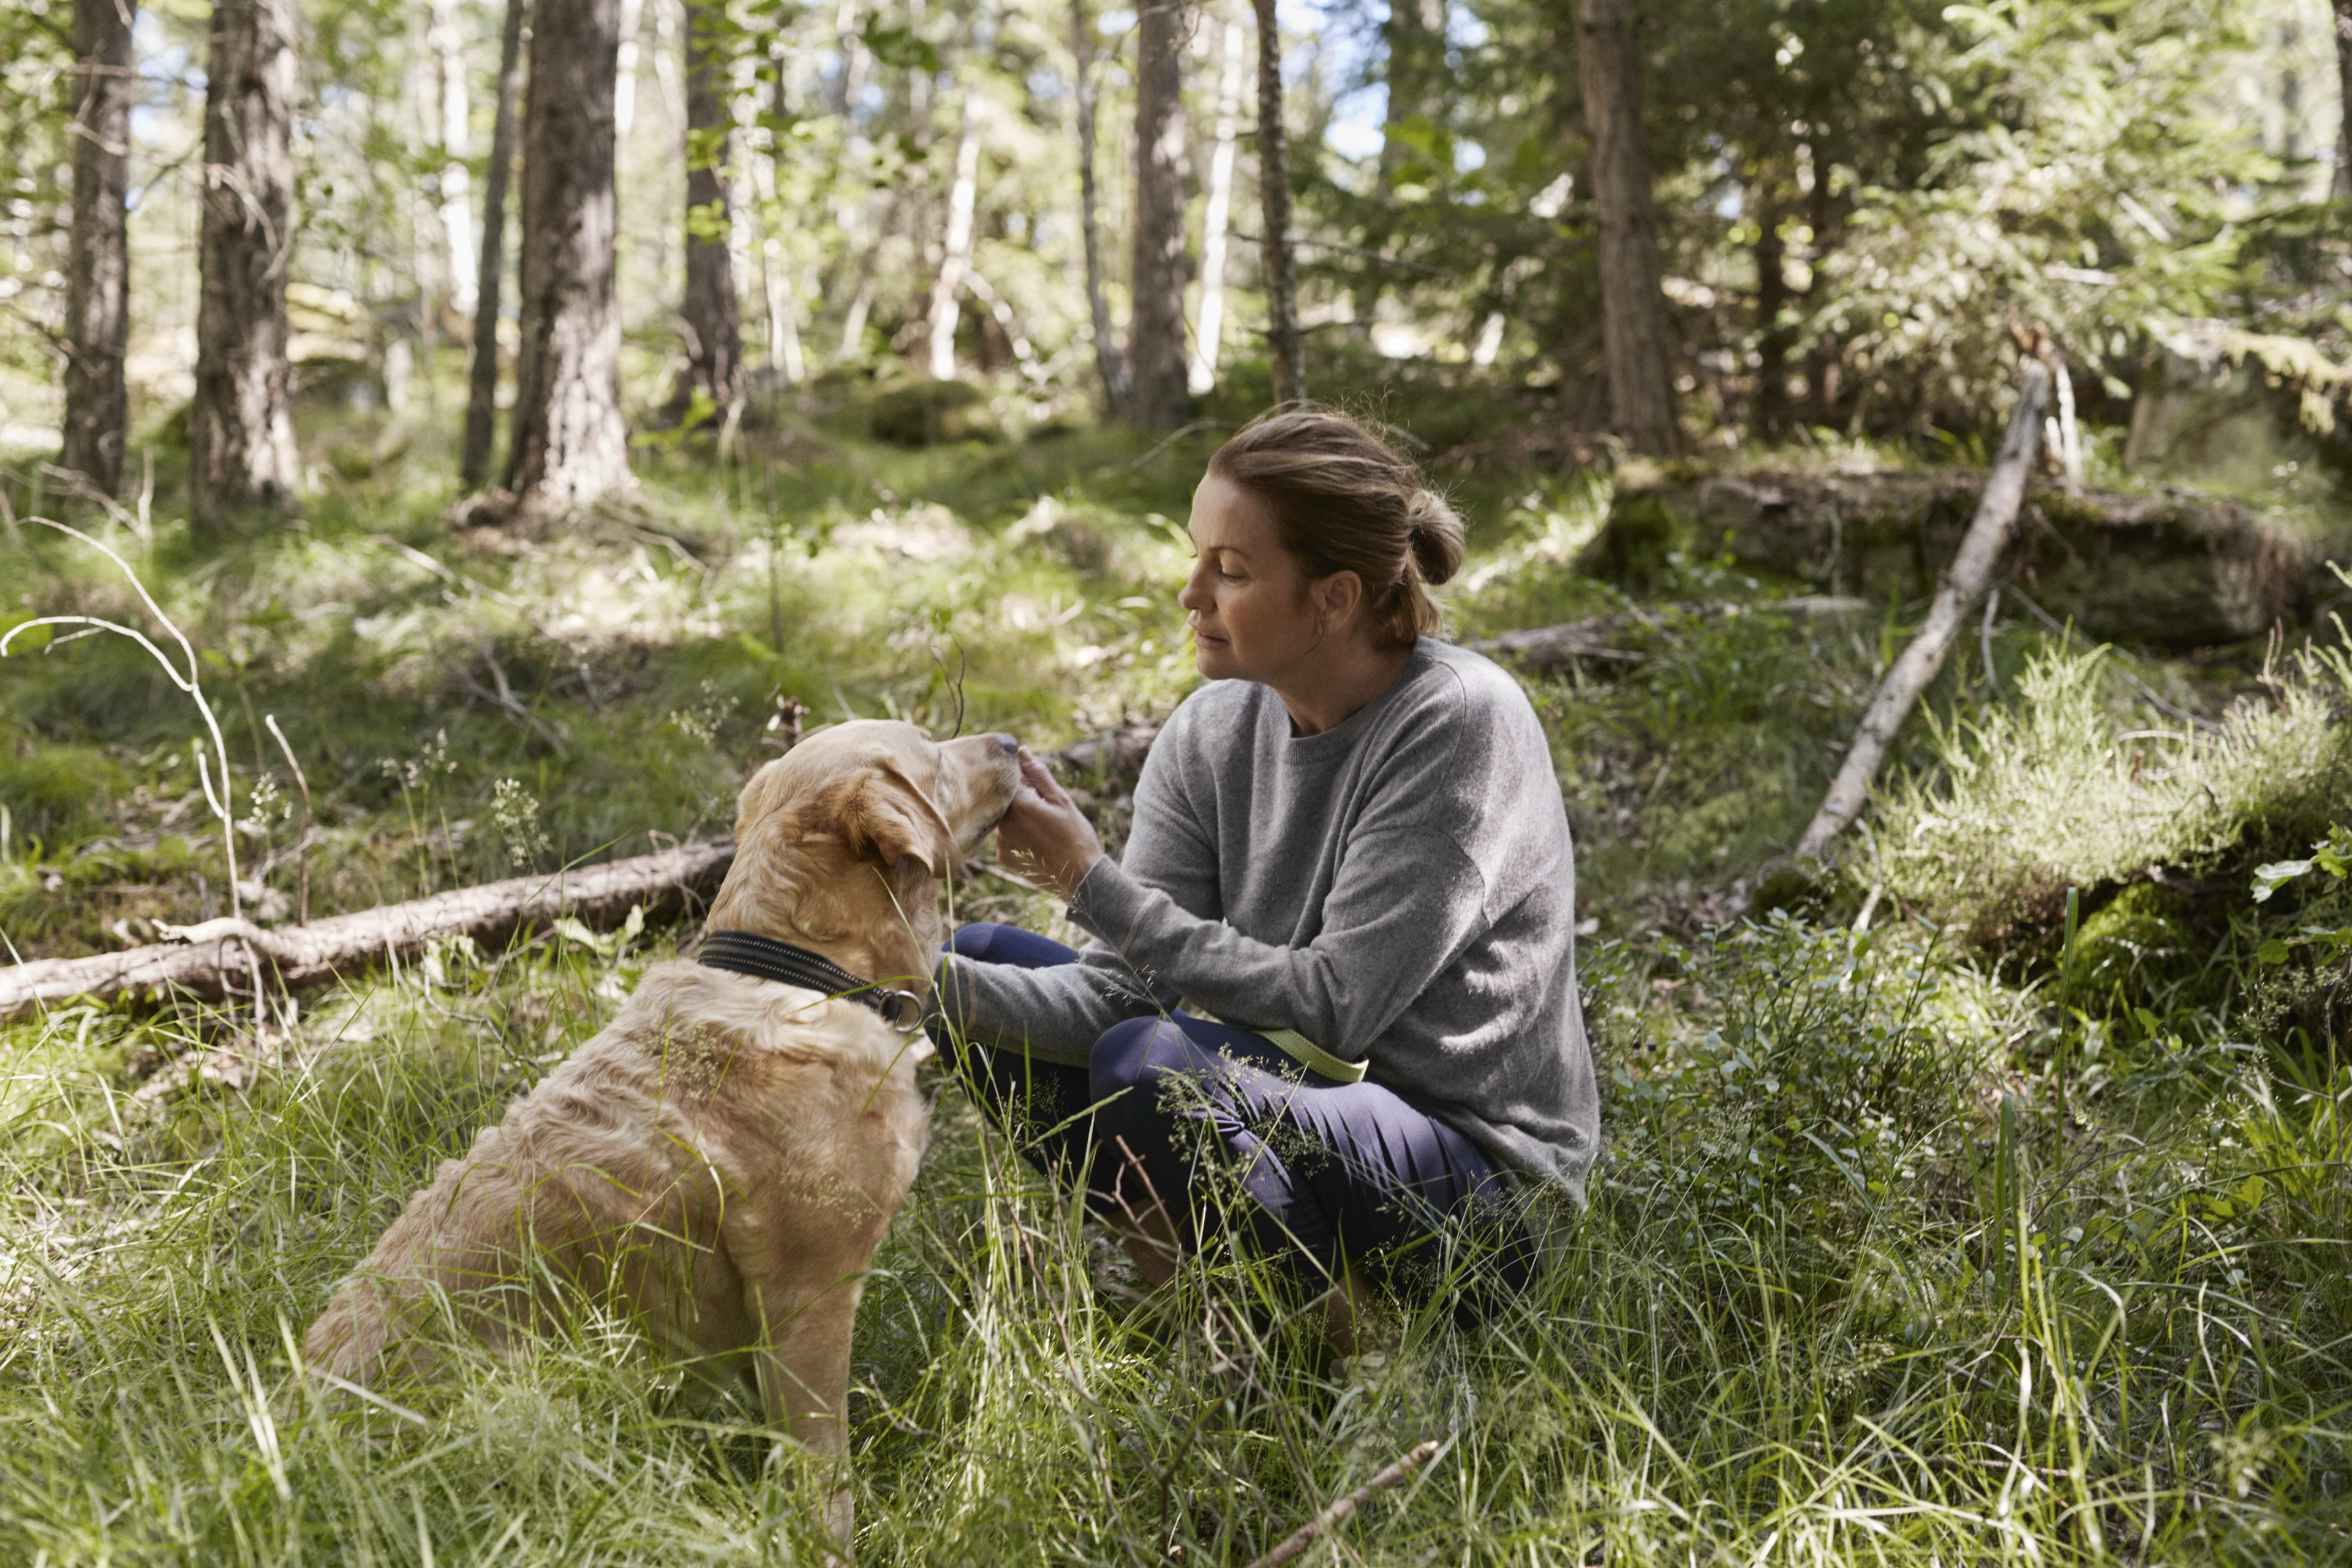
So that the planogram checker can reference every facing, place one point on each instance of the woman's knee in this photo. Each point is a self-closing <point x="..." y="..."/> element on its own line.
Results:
<point x="986" y="942"/>
<point x="1126" y="1060"/>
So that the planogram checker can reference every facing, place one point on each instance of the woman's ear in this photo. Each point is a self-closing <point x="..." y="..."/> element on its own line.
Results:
<point x="1337" y="597"/>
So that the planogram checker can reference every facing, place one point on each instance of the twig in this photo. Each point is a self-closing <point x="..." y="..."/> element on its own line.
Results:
<point x="1194" y="428"/>
<point x="1306" y="1534"/>
<point x="505" y="699"/>
<point x="302" y="843"/>
<point x="1984" y="636"/>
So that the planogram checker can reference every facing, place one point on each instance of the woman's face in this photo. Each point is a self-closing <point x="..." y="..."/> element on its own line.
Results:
<point x="1249" y="619"/>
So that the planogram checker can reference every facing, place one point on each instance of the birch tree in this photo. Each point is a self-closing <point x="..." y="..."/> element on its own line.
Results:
<point x="1214" y="220"/>
<point x="98" y="286"/>
<point x="241" y="457"/>
<point x="955" y="259"/>
<point x="444" y="39"/>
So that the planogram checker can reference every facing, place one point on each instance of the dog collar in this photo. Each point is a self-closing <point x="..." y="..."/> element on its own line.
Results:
<point x="765" y="958"/>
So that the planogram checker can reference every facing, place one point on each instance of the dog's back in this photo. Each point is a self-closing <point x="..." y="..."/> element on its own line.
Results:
<point x="616" y="1178"/>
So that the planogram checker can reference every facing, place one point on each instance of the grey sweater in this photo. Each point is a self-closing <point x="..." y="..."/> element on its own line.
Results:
<point x="1399" y="887"/>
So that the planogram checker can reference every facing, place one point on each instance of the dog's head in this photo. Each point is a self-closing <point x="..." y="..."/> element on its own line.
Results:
<point x="851" y="830"/>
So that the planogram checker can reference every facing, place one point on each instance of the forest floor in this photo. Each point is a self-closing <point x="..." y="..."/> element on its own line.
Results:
<point x="1932" y="1227"/>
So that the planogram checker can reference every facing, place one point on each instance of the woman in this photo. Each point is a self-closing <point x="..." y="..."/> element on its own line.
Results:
<point x="1345" y="918"/>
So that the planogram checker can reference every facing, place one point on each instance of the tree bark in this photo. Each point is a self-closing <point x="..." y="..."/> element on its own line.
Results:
<point x="446" y="40"/>
<point x="1111" y="362"/>
<point x="1771" y="299"/>
<point x="1207" y="335"/>
<point x="776" y="258"/>
<point x="482" y="395"/>
<point x="1285" y="345"/>
<point x="709" y="313"/>
<point x="571" y="446"/>
<point x="2344" y="77"/>
<point x="97" y="290"/>
<point x="1980" y="551"/>
<point x="1157" y="399"/>
<point x="218" y="959"/>
<point x="1635" y="339"/>
<point x="241" y="423"/>
<point x="955" y="259"/>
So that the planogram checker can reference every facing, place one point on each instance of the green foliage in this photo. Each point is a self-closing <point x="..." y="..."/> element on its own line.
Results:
<point x="2049" y="792"/>
<point x="2095" y="191"/>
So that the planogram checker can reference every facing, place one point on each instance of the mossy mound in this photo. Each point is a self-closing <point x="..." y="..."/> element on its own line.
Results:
<point x="915" y="414"/>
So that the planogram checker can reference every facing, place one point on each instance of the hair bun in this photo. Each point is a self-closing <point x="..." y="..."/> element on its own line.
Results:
<point x="1437" y="536"/>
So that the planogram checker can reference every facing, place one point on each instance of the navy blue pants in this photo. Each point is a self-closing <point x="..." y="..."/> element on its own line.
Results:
<point x="1332" y="1173"/>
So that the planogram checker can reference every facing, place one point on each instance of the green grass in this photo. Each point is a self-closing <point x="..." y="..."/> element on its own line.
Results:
<point x="1935" y="1242"/>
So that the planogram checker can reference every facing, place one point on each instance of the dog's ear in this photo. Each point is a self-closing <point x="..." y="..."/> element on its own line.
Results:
<point x="885" y="815"/>
<point x="763" y="794"/>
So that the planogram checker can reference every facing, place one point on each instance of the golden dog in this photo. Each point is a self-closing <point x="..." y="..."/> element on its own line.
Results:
<point x="721" y="1162"/>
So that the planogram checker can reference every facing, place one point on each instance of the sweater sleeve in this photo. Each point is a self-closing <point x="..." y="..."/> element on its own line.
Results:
<point x="1406" y="899"/>
<point x="1058" y="1013"/>
<point x="1406" y="903"/>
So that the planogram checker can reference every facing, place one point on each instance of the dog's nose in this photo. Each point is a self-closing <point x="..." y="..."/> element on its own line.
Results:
<point x="1007" y="744"/>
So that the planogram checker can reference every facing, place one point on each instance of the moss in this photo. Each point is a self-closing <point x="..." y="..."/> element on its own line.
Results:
<point x="929" y="412"/>
<point x="2141" y="936"/>
<point x="1635" y="545"/>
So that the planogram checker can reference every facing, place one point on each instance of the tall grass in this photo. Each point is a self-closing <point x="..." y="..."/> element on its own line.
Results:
<point x="1911" y="1246"/>
<point x="1848" y="1292"/>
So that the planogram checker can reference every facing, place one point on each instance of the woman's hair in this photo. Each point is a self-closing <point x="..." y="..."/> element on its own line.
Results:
<point x="1343" y="500"/>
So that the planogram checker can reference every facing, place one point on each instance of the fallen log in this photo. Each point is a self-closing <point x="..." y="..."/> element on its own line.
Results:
<point x="2169" y="571"/>
<point x="1962" y="589"/>
<point x="216" y="959"/>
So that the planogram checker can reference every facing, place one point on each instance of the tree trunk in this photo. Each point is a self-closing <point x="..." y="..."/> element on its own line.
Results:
<point x="775" y="257"/>
<point x="1206" y="337"/>
<point x="446" y="39"/>
<point x="1980" y="551"/>
<point x="482" y="395"/>
<point x="2343" y="79"/>
<point x="1771" y="337"/>
<point x="709" y="314"/>
<point x="97" y="290"/>
<point x="1635" y="335"/>
<point x="241" y="425"/>
<point x="1285" y="345"/>
<point x="1111" y="364"/>
<point x="1156" y="397"/>
<point x="955" y="258"/>
<point x="570" y="445"/>
<point x="625" y="66"/>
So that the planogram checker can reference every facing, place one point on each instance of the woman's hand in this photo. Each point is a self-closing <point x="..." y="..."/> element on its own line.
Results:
<point x="1044" y="836"/>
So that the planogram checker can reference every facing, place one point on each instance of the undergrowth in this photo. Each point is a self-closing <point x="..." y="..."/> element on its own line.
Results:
<point x="1933" y="1227"/>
